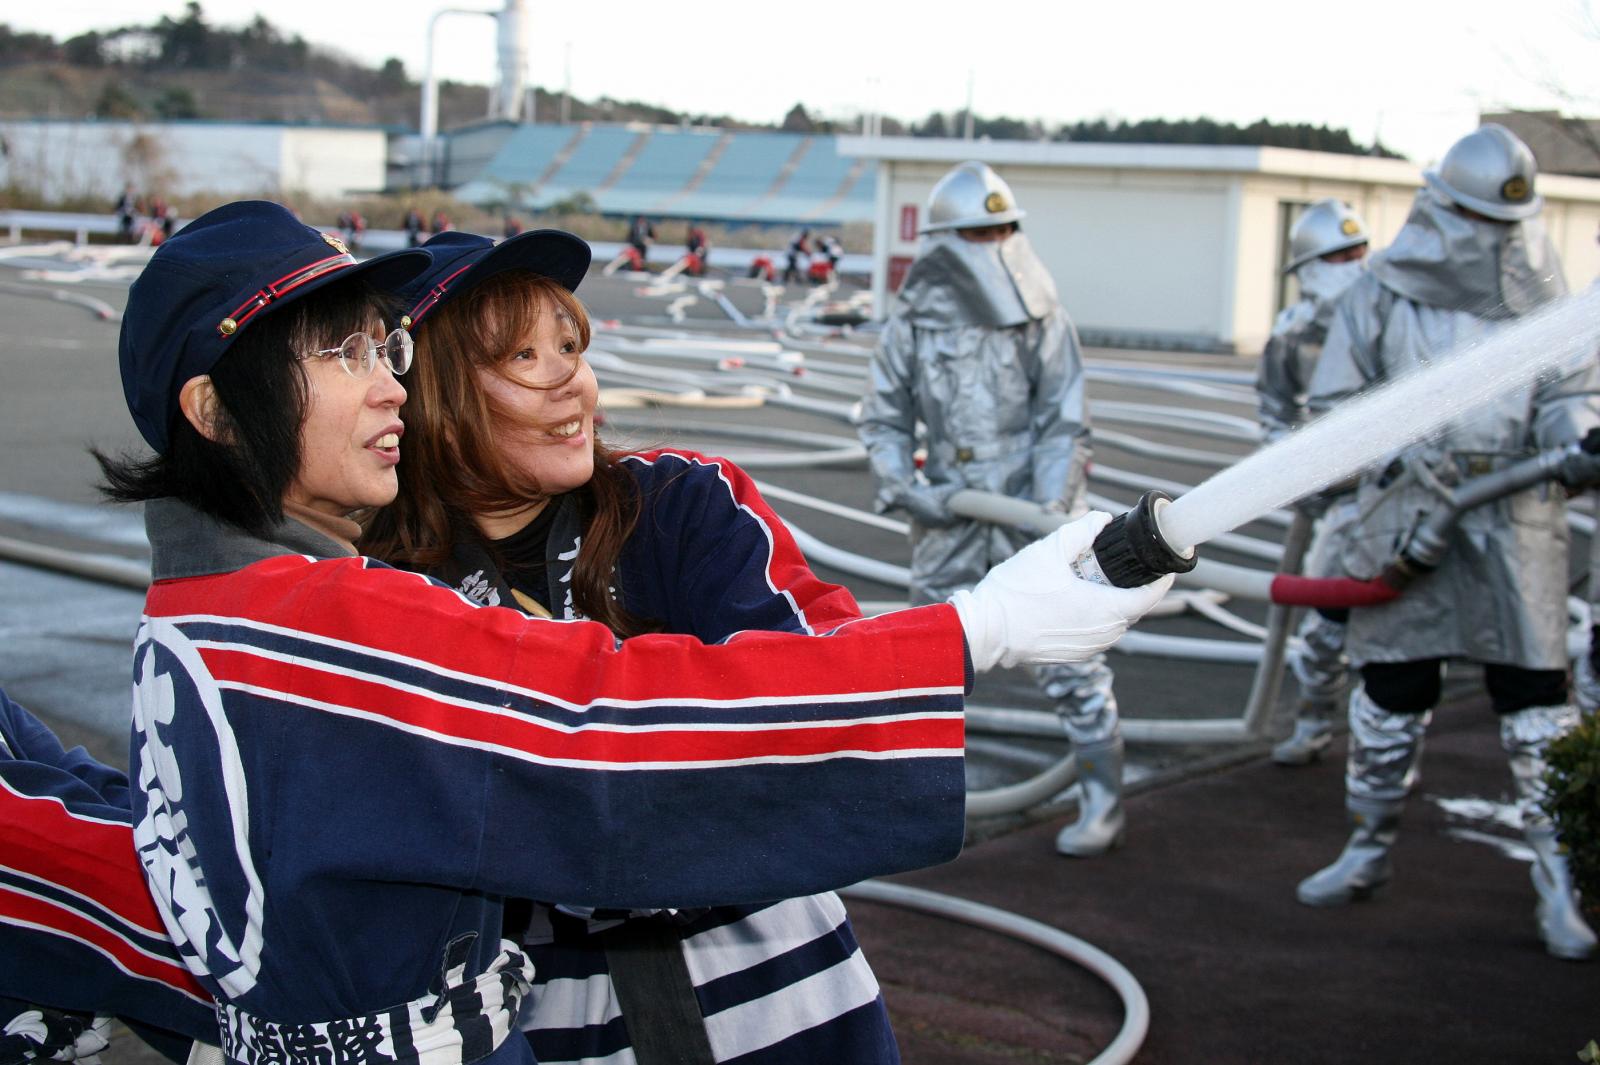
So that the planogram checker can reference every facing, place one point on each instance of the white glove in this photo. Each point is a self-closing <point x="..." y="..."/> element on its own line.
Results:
<point x="1032" y="608"/>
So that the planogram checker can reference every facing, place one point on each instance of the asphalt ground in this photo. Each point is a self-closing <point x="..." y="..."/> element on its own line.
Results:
<point x="1199" y="904"/>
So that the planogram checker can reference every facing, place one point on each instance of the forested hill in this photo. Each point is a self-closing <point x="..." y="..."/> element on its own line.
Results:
<point x="188" y="67"/>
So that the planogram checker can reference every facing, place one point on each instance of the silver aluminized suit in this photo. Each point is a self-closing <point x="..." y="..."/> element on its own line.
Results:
<point x="1283" y="379"/>
<point x="1500" y="593"/>
<point x="1283" y="384"/>
<point x="995" y="395"/>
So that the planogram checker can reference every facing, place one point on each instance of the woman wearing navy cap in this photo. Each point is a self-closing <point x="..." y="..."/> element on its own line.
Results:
<point x="508" y="495"/>
<point x="342" y="770"/>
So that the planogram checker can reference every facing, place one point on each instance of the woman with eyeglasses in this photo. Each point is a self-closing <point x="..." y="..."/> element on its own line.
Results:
<point x="341" y="771"/>
<point x="508" y="495"/>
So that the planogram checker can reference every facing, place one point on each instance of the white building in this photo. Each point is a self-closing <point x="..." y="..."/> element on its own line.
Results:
<point x="94" y="159"/>
<point x="1175" y="245"/>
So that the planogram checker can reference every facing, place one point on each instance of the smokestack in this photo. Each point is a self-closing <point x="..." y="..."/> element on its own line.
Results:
<point x="515" y="25"/>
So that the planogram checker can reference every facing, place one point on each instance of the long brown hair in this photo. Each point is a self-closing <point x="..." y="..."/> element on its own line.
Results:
<point x="452" y="468"/>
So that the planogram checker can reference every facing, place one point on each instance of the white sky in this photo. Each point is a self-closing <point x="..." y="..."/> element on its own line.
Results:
<point x="1415" y="71"/>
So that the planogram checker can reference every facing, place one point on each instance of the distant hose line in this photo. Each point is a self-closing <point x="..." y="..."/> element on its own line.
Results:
<point x="1135" y="1003"/>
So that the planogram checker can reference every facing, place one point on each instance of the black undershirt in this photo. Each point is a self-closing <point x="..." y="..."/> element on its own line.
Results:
<point x="522" y="556"/>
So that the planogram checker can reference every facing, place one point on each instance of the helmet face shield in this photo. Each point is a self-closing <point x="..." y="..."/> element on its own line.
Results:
<point x="993" y="283"/>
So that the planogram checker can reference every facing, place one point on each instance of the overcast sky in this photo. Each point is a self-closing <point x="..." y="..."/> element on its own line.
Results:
<point x="1415" y="72"/>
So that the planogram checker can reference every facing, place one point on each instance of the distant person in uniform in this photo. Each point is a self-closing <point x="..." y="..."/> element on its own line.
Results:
<point x="640" y="235"/>
<point x="351" y="227"/>
<point x="1327" y="246"/>
<point x="127" y="210"/>
<point x="1472" y="256"/>
<point x="830" y="247"/>
<point x="980" y="365"/>
<point x="415" y="228"/>
<point x="696" y="248"/>
<point x="512" y="227"/>
<point x="799" y="247"/>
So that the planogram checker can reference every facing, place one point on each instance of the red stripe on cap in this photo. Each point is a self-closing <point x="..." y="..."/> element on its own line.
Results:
<point x="286" y="284"/>
<point x="436" y="293"/>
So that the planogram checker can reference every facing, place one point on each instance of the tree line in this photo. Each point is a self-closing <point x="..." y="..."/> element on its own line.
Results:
<point x="192" y="43"/>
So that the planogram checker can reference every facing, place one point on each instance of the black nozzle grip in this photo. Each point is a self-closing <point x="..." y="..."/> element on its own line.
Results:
<point x="1130" y="550"/>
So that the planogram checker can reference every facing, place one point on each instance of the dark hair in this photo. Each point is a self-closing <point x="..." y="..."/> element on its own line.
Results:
<point x="241" y="477"/>
<point x="453" y="468"/>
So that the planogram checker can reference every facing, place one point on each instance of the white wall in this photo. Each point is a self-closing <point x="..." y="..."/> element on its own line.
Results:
<point x="1129" y="252"/>
<point x="95" y="159"/>
<point x="1166" y="244"/>
<point x="333" y="162"/>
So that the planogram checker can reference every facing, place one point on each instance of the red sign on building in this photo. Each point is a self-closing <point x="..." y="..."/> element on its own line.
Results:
<point x="908" y="222"/>
<point x="898" y="266"/>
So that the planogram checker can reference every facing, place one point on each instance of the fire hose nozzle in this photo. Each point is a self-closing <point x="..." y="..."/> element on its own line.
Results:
<point x="1580" y="468"/>
<point x="1131" y="552"/>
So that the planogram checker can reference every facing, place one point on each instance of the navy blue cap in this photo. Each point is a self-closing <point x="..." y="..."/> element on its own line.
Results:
<point x="462" y="260"/>
<point x="204" y="286"/>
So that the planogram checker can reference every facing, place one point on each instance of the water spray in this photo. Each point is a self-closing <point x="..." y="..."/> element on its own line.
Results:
<point x="1159" y="535"/>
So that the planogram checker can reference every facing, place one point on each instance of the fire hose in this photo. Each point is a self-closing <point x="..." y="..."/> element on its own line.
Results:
<point x="1575" y="466"/>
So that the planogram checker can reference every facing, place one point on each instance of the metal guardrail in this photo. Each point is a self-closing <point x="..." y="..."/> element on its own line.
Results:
<point x="377" y="241"/>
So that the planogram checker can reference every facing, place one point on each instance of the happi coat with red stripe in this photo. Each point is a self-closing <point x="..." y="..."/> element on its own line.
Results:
<point x="78" y="930"/>
<point x="774" y="983"/>
<point x="341" y="769"/>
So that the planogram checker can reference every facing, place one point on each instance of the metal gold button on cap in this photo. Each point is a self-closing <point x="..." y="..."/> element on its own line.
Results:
<point x="405" y="321"/>
<point x="227" y="327"/>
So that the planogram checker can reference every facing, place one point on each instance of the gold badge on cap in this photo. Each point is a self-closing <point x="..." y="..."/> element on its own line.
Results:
<point x="336" y="244"/>
<point x="995" y="202"/>
<point x="227" y="327"/>
<point x="1349" y="227"/>
<point x="1515" y="189"/>
<point x="405" y="321"/>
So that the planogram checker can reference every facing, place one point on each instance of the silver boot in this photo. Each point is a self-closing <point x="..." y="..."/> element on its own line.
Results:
<point x="1319" y="664"/>
<point x="1363" y="866"/>
<point x="1087" y="707"/>
<point x="1524" y="736"/>
<point x="1385" y="749"/>
<point x="1100" y="819"/>
<point x="1585" y="685"/>
<point x="1313" y="732"/>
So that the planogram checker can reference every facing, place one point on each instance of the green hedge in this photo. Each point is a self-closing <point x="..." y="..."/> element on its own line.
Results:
<point x="1573" y="802"/>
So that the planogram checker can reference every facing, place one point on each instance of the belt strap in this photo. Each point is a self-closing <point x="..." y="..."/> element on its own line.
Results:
<point x="464" y="1022"/>
<point x="656" y="994"/>
<point x="984" y="450"/>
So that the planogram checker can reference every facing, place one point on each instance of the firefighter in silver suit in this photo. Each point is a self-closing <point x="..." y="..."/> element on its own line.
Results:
<point x="1472" y="256"/>
<point x="1327" y="246"/>
<point x="979" y="365"/>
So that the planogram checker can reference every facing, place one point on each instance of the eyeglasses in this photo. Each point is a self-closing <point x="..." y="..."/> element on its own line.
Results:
<point x="359" y="354"/>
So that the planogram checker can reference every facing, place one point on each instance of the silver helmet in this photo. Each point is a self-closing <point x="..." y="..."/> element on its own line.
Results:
<point x="1489" y="171"/>
<point x="1326" y="226"/>
<point x="971" y="195"/>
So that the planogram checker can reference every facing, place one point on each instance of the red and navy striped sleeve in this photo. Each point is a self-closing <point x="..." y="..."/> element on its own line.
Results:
<point x="710" y="557"/>
<point x="477" y="748"/>
<point x="78" y="929"/>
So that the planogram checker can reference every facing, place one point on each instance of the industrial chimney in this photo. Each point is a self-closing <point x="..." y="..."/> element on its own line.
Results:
<point x="505" y="101"/>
